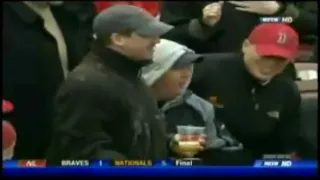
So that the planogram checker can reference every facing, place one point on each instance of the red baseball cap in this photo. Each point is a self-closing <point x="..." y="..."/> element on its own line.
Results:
<point x="7" y="106"/>
<point x="275" y="39"/>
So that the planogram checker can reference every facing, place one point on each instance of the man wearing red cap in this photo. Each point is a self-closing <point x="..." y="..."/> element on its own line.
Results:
<point x="271" y="47"/>
<point x="258" y="104"/>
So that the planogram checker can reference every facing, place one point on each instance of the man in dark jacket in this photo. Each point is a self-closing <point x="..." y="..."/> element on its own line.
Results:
<point x="104" y="111"/>
<point x="237" y="20"/>
<point x="40" y="44"/>
<point x="259" y="107"/>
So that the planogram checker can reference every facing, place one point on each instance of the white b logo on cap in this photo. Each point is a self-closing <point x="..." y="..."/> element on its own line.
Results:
<point x="282" y="38"/>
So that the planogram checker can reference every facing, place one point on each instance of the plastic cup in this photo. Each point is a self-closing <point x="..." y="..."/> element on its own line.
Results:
<point x="198" y="130"/>
<point x="190" y="133"/>
<point x="189" y="137"/>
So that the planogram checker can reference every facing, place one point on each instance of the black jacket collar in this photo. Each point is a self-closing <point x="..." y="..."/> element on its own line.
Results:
<point x="118" y="62"/>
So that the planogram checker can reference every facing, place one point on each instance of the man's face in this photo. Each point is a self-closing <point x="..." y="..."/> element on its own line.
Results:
<point x="173" y="82"/>
<point x="263" y="68"/>
<point x="138" y="47"/>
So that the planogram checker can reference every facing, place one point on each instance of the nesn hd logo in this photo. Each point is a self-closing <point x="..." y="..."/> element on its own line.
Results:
<point x="276" y="19"/>
<point x="277" y="163"/>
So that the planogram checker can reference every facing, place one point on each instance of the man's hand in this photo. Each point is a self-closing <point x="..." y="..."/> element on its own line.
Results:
<point x="259" y="7"/>
<point x="187" y="149"/>
<point x="212" y="13"/>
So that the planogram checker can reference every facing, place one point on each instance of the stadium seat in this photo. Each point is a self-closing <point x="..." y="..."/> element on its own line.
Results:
<point x="307" y="82"/>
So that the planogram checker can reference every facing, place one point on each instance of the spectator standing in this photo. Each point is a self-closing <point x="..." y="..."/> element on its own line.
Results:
<point x="104" y="111"/>
<point x="41" y="42"/>
<point x="237" y="20"/>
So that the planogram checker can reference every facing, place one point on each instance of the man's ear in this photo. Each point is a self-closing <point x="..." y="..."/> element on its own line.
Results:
<point x="117" y="39"/>
<point x="246" y="43"/>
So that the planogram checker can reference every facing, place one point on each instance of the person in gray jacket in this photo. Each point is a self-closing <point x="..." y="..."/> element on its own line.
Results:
<point x="169" y="76"/>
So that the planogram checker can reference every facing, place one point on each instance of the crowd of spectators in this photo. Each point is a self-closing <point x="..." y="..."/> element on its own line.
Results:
<point x="114" y="79"/>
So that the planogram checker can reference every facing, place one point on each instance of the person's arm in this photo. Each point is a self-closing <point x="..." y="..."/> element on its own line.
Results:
<point x="288" y="128"/>
<point x="83" y="110"/>
<point x="188" y="27"/>
<point x="212" y="139"/>
<point x="304" y="22"/>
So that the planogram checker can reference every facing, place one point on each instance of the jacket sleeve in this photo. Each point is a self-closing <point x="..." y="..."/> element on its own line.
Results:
<point x="217" y="151"/>
<point x="83" y="108"/>
<point x="304" y="22"/>
<point x="213" y="141"/>
<point x="188" y="27"/>
<point x="288" y="129"/>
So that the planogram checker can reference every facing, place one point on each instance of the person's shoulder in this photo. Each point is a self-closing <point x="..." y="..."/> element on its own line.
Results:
<point x="194" y="99"/>
<point x="221" y="56"/>
<point x="293" y="89"/>
<point x="218" y="59"/>
<point x="89" y="71"/>
<point x="290" y="87"/>
<point x="201" y="105"/>
<point x="84" y="80"/>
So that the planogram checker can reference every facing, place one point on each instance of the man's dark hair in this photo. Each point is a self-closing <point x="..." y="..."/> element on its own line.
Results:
<point x="127" y="32"/>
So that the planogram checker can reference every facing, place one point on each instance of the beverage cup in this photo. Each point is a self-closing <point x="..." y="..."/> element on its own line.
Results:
<point x="189" y="137"/>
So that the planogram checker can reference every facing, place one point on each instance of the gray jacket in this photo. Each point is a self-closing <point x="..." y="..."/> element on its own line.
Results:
<point x="217" y="135"/>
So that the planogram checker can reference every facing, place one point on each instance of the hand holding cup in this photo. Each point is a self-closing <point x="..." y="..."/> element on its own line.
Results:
<point x="189" y="141"/>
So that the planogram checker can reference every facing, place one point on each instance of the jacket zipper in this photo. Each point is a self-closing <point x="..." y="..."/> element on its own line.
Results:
<point x="256" y="104"/>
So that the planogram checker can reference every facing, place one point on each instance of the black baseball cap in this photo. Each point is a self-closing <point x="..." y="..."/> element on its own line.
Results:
<point x="119" y="18"/>
<point x="187" y="59"/>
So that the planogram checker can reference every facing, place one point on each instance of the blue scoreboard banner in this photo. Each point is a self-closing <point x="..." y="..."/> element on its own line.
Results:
<point x="131" y="168"/>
